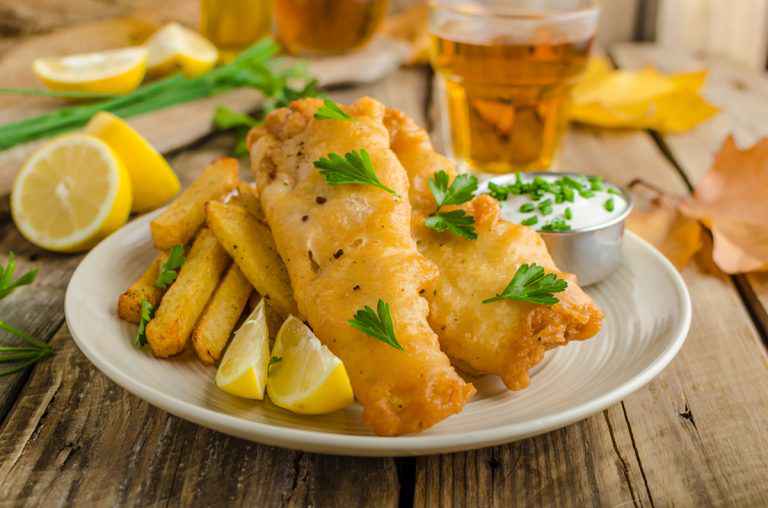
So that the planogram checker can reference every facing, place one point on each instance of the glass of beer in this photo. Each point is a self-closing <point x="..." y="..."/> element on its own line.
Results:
<point x="506" y="71"/>
<point x="233" y="25"/>
<point x="325" y="27"/>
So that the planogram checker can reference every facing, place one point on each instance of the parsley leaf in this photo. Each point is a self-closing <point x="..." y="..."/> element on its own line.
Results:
<point x="35" y="349"/>
<point x="354" y="168"/>
<point x="170" y="269"/>
<point x="227" y="119"/>
<point x="7" y="284"/>
<point x="457" y="222"/>
<point x="531" y="284"/>
<point x="461" y="190"/>
<point x="331" y="111"/>
<point x="147" y="313"/>
<point x="377" y="324"/>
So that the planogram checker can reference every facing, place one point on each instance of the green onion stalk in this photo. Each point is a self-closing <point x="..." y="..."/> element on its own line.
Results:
<point x="256" y="67"/>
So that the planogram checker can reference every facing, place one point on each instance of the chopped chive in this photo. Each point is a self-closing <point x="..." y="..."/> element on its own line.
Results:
<point x="527" y="208"/>
<point x="530" y="221"/>
<point x="569" y="195"/>
<point x="559" y="198"/>
<point x="586" y="194"/>
<point x="613" y="191"/>
<point x="557" y="226"/>
<point x="596" y="183"/>
<point x="570" y="182"/>
<point x="568" y="213"/>
<point x="609" y="205"/>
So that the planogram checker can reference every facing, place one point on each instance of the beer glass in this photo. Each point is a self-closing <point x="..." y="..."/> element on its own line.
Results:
<point x="321" y="27"/>
<point x="506" y="71"/>
<point x="233" y="25"/>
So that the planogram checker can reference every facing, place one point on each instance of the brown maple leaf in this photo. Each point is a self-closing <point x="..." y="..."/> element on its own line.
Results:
<point x="656" y="217"/>
<point x="732" y="201"/>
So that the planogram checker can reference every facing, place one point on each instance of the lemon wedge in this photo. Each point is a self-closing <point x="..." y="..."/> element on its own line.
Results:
<point x="243" y="369"/>
<point x="305" y="377"/>
<point x="71" y="193"/>
<point x="153" y="181"/>
<point x="175" y="46"/>
<point x="116" y="71"/>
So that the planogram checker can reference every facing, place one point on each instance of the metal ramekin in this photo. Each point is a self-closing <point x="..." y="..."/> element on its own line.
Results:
<point x="591" y="253"/>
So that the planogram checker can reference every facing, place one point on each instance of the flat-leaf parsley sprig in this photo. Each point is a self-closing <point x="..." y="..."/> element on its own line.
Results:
<point x="354" y="168"/>
<point x="147" y="313"/>
<point x="460" y="191"/>
<point x="531" y="284"/>
<point x="169" y="270"/>
<point x="35" y="349"/>
<point x="331" y="111"/>
<point x="376" y="323"/>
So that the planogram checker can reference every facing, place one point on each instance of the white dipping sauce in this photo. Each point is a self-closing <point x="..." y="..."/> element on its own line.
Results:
<point x="585" y="212"/>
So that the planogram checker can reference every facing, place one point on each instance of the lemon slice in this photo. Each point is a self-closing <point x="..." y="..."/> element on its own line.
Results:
<point x="308" y="378"/>
<point x="70" y="194"/>
<point x="175" y="46"/>
<point x="243" y="369"/>
<point x="114" y="72"/>
<point x="152" y="179"/>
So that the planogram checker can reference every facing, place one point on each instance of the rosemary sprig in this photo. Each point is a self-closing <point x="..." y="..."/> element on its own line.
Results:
<point x="35" y="349"/>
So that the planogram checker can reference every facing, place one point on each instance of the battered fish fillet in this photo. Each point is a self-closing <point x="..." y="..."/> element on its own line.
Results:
<point x="506" y="337"/>
<point x="346" y="247"/>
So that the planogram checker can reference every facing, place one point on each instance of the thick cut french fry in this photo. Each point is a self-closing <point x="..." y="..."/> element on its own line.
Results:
<point x="221" y="315"/>
<point x="185" y="300"/>
<point x="249" y="199"/>
<point x="143" y="288"/>
<point x="250" y="244"/>
<point x="178" y="224"/>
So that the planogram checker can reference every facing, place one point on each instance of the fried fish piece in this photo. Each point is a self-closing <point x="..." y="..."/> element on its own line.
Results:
<point x="347" y="246"/>
<point x="505" y="337"/>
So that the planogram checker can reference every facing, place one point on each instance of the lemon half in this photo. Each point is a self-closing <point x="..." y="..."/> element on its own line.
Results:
<point x="175" y="46"/>
<point x="116" y="71"/>
<point x="153" y="181"/>
<point x="243" y="368"/>
<point x="70" y="194"/>
<point x="309" y="378"/>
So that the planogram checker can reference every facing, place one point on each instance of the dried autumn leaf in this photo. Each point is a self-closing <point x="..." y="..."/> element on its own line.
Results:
<point x="732" y="201"/>
<point x="657" y="219"/>
<point x="644" y="99"/>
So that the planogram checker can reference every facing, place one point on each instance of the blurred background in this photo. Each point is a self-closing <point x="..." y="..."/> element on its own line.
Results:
<point x="735" y="30"/>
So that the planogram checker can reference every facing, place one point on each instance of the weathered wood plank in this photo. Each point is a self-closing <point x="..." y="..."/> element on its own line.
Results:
<point x="77" y="439"/>
<point x="742" y="96"/>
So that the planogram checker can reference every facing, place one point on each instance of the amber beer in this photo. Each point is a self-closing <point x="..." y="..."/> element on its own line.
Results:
<point x="506" y="94"/>
<point x="317" y="27"/>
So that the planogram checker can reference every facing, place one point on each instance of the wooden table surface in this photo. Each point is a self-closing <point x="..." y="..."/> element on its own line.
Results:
<point x="695" y="436"/>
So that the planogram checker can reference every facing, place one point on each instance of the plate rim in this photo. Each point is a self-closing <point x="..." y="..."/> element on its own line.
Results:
<point x="379" y="446"/>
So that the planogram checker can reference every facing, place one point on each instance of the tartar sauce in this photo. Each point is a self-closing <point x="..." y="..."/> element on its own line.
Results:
<point x="556" y="202"/>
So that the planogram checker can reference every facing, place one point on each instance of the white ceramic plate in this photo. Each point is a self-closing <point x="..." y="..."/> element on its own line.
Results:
<point x="647" y="310"/>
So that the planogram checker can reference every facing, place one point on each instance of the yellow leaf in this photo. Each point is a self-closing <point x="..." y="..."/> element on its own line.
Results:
<point x="644" y="99"/>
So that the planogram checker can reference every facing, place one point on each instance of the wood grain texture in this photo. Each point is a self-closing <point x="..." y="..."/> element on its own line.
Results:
<point x="742" y="96"/>
<point x="77" y="439"/>
<point x="699" y="427"/>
